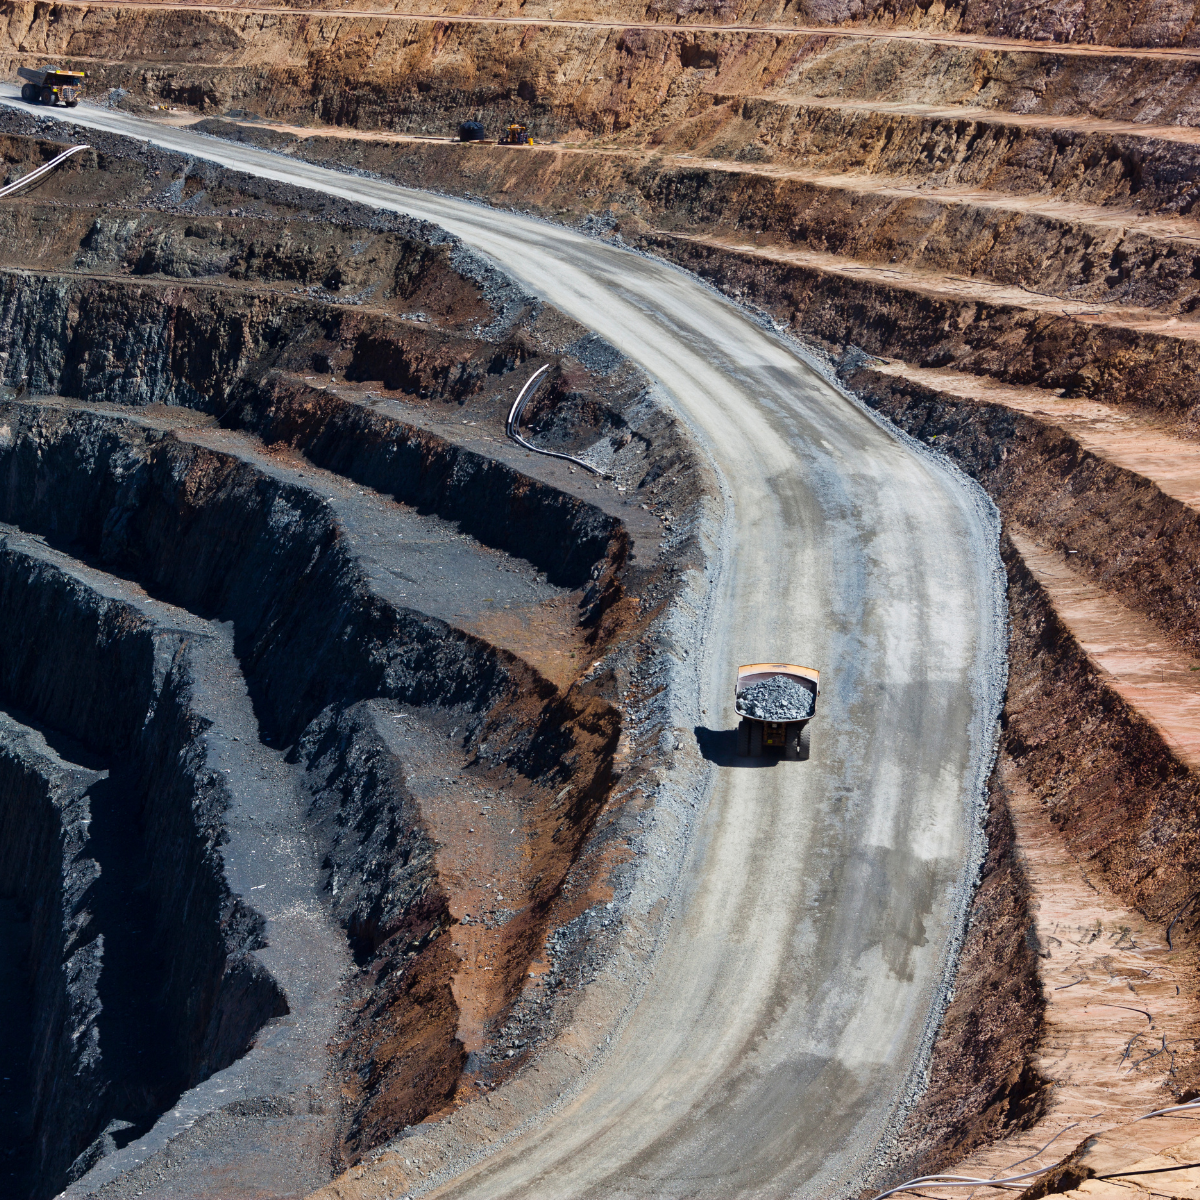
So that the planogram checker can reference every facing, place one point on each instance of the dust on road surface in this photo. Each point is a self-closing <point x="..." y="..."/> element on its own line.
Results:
<point x="804" y="966"/>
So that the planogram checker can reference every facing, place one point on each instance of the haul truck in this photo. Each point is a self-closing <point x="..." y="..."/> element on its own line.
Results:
<point x="516" y="135"/>
<point x="49" y="85"/>
<point x="758" y="735"/>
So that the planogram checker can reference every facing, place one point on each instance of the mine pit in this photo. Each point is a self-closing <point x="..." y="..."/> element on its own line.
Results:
<point x="337" y="730"/>
<point x="304" y="817"/>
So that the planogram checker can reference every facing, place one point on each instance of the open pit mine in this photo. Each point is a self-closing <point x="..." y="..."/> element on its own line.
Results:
<point x="385" y="516"/>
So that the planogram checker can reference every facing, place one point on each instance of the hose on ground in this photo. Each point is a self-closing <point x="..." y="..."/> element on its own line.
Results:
<point x="1008" y="1181"/>
<point x="513" y="425"/>
<point x="41" y="171"/>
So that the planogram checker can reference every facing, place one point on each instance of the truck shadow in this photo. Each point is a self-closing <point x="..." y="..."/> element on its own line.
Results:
<point x="720" y="746"/>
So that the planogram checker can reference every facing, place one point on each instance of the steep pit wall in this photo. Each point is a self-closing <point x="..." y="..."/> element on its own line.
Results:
<point x="398" y="721"/>
<point x="977" y="149"/>
<point x="215" y="537"/>
<point x="573" y="543"/>
<point x="45" y="868"/>
<point x="190" y="347"/>
<point x="394" y="73"/>
<point x="223" y="541"/>
<point x="241" y="357"/>
<point x="92" y="667"/>
<point x="1124" y="803"/>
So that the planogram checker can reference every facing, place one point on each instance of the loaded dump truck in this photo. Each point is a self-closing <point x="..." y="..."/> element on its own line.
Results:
<point x="515" y="135"/>
<point x="775" y="702"/>
<point x="50" y="85"/>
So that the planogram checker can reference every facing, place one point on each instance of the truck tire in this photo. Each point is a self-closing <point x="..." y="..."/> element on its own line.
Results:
<point x="743" y="736"/>
<point x="756" y="746"/>
<point x="72" y="103"/>
<point x="28" y="93"/>
<point x="47" y="96"/>
<point x="805" y="742"/>
<point x="795" y="744"/>
<point x="791" y="743"/>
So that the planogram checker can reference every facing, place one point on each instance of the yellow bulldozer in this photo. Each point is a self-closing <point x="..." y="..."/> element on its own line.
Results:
<point x="51" y="85"/>
<point x="515" y="135"/>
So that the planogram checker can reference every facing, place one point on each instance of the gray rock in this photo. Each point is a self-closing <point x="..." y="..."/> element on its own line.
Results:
<point x="778" y="699"/>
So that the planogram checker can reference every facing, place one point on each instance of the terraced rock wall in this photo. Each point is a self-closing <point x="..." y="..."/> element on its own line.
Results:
<point x="94" y="669"/>
<point x="341" y="622"/>
<point x="1014" y="216"/>
<point x="1115" y="787"/>
<point x="395" y="73"/>
<point x="1133" y="541"/>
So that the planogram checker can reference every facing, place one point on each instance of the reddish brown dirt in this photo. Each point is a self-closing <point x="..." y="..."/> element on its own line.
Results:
<point x="1126" y="534"/>
<point x="1000" y="192"/>
<point x="1131" y="655"/>
<point x="1124" y="437"/>
<point x="982" y="1082"/>
<point x="766" y="20"/>
<point x="1099" y="964"/>
<point x="547" y="636"/>
<point x="401" y="1057"/>
<point x="1118" y="1034"/>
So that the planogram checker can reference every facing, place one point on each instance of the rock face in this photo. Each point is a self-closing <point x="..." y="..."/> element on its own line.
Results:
<point x="1015" y="216"/>
<point x="45" y="813"/>
<point x="285" y="618"/>
<point x="136" y="841"/>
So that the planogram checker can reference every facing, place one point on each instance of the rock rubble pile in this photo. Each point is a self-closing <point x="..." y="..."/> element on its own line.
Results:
<point x="778" y="699"/>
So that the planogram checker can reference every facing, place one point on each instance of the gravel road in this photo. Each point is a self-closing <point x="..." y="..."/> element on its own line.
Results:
<point x="797" y="990"/>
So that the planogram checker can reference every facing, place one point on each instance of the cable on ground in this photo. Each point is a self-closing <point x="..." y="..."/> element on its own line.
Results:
<point x="513" y="425"/>
<point x="41" y="171"/>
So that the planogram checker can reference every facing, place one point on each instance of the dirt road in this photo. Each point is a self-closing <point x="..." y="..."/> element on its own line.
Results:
<point x="801" y="978"/>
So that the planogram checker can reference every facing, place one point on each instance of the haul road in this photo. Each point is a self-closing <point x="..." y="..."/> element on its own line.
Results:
<point x="805" y="960"/>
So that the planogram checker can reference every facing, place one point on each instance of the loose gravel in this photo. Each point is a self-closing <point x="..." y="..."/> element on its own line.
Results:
<point x="777" y="699"/>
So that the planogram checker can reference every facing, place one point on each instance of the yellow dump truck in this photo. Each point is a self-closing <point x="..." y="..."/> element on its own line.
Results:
<point x="775" y="702"/>
<point x="515" y="135"/>
<point x="50" y="85"/>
